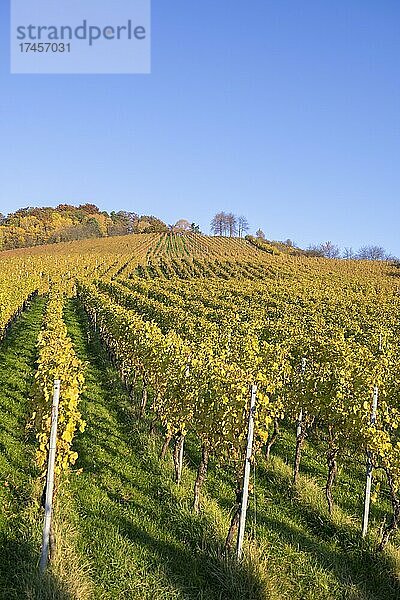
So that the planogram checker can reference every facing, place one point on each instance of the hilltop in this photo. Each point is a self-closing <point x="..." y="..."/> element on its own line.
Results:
<point x="36" y="226"/>
<point x="29" y="227"/>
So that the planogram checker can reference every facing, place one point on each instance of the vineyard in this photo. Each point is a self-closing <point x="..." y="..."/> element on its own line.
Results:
<point x="157" y="341"/>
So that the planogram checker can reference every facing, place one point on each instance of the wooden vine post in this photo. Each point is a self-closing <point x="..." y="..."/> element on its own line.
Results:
<point x="50" y="478"/>
<point x="368" y="482"/>
<point x="246" y="476"/>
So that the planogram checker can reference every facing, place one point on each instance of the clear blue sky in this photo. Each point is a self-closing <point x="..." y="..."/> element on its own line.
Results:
<point x="284" y="111"/>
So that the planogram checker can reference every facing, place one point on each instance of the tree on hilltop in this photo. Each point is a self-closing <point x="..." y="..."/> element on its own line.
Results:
<point x="349" y="254"/>
<point x="218" y="224"/>
<point x="194" y="228"/>
<point x="243" y="226"/>
<point x="329" y="250"/>
<point x="324" y="250"/>
<point x="226" y="224"/>
<point x="372" y="253"/>
<point x="182" y="225"/>
<point x="231" y="224"/>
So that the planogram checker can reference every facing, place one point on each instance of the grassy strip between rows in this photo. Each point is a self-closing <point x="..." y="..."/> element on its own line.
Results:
<point x="19" y="486"/>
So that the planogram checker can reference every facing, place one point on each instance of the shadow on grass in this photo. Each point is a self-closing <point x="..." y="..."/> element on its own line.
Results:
<point x="20" y="578"/>
<point x="348" y="562"/>
<point x="335" y="546"/>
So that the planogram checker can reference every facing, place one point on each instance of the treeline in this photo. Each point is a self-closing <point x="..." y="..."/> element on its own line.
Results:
<point x="35" y="226"/>
<point x="229" y="225"/>
<point x="369" y="252"/>
<point x="323" y="250"/>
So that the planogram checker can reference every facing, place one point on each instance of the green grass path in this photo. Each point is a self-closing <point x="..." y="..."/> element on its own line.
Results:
<point x="18" y="544"/>
<point x="20" y="515"/>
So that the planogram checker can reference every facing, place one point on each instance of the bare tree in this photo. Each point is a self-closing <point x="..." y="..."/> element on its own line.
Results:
<point x="325" y="249"/>
<point x="329" y="250"/>
<point x="289" y="243"/>
<point x="243" y="225"/>
<point x="231" y="224"/>
<point x="372" y="253"/>
<point x="314" y="250"/>
<point x="260" y="234"/>
<point x="218" y="224"/>
<point x="349" y="254"/>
